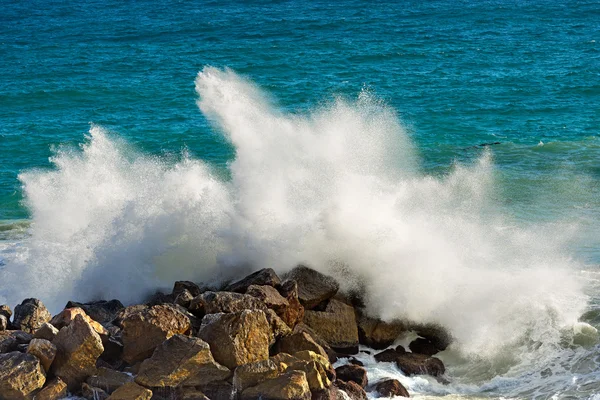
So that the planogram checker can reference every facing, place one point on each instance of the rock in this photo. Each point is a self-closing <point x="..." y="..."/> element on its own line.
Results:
<point x="378" y="334"/>
<point x="102" y="311"/>
<point x="293" y="314"/>
<point x="391" y="388"/>
<point x="354" y="361"/>
<point x="352" y="389"/>
<point x="313" y="287"/>
<point x="336" y="325"/>
<point x="160" y="298"/>
<point x="125" y="313"/>
<point x="46" y="331"/>
<point x="55" y="390"/>
<point x="108" y="380"/>
<point x="78" y="348"/>
<point x="131" y="391"/>
<point x="3" y="323"/>
<point x="11" y="340"/>
<point x="225" y="302"/>
<point x="279" y="328"/>
<point x="420" y="364"/>
<point x="113" y="349"/>
<point x="252" y="374"/>
<point x="190" y="393"/>
<point x="437" y="335"/>
<point x="6" y="311"/>
<point x="220" y="390"/>
<point x="269" y="296"/>
<point x="331" y="393"/>
<point x="319" y="371"/>
<point x="265" y="276"/>
<point x="291" y="385"/>
<point x="66" y="316"/>
<point x="191" y="287"/>
<point x="352" y="373"/>
<point x="181" y="360"/>
<point x="20" y="375"/>
<point x="184" y="298"/>
<point x="297" y="342"/>
<point x="143" y="331"/>
<point x="30" y="315"/>
<point x="423" y="346"/>
<point x="237" y="338"/>
<point x="93" y="393"/>
<point x="303" y="328"/>
<point x="389" y="355"/>
<point x="44" y="350"/>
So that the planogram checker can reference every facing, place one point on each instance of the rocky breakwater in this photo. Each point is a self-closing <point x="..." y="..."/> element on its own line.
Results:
<point x="258" y="338"/>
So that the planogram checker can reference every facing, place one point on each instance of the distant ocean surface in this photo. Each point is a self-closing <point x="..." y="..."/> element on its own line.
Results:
<point x="106" y="158"/>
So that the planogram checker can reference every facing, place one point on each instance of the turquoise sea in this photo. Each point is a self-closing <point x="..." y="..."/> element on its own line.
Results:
<point x="453" y="146"/>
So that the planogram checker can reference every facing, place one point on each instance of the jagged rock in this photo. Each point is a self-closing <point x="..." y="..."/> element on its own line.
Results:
<point x="184" y="298"/>
<point x="237" y="338"/>
<point x="55" y="390"/>
<point x="297" y="342"/>
<point x="93" y="393"/>
<point x="6" y="311"/>
<point x="389" y="355"/>
<point x="131" y="391"/>
<point x="44" y="350"/>
<point x="318" y="369"/>
<point x="352" y="389"/>
<point x="293" y="314"/>
<point x="145" y="330"/>
<point x="11" y="340"/>
<point x="102" y="311"/>
<point x="252" y="374"/>
<point x="191" y="287"/>
<point x="220" y="390"/>
<point x="336" y="325"/>
<point x="269" y="296"/>
<point x="265" y="276"/>
<point x="303" y="328"/>
<point x="354" y="361"/>
<point x="279" y="328"/>
<point x="225" y="302"/>
<point x="4" y="322"/>
<point x="20" y="375"/>
<point x="190" y="393"/>
<point x="160" y="298"/>
<point x="125" y="313"/>
<point x="313" y="287"/>
<point x="66" y="316"/>
<point x="420" y="364"/>
<point x="331" y="393"/>
<point x="291" y="385"/>
<point x="46" y="331"/>
<point x="78" y="347"/>
<point x="437" y="335"/>
<point x="181" y="360"/>
<point x="113" y="349"/>
<point x="378" y="334"/>
<point x="391" y="388"/>
<point x="108" y="380"/>
<point x="423" y="346"/>
<point x="30" y="315"/>
<point x="354" y="373"/>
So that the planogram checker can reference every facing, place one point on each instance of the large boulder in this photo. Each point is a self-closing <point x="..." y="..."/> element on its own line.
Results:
<point x="279" y="328"/>
<point x="131" y="391"/>
<point x="352" y="389"/>
<point x="378" y="334"/>
<point x="224" y="302"/>
<point x="252" y="374"/>
<point x="54" y="390"/>
<point x="102" y="311"/>
<point x="4" y="323"/>
<point x="389" y="355"/>
<point x="437" y="335"/>
<point x="66" y="316"/>
<point x="269" y="296"/>
<point x="127" y="312"/>
<point x="20" y="375"/>
<point x="78" y="348"/>
<point x="318" y="369"/>
<point x="190" y="393"/>
<point x="46" y="331"/>
<point x="336" y="325"/>
<point x="93" y="393"/>
<point x="143" y="331"/>
<point x="237" y="338"/>
<point x="44" y="350"/>
<point x="108" y="380"/>
<point x="181" y="361"/>
<point x="297" y="342"/>
<point x="181" y="286"/>
<point x="219" y="390"/>
<point x="291" y="385"/>
<point x="264" y="276"/>
<point x="423" y="346"/>
<point x="420" y="364"/>
<point x="30" y="315"/>
<point x="313" y="287"/>
<point x="354" y="373"/>
<point x="6" y="311"/>
<point x="11" y="340"/>
<point x="391" y="388"/>
<point x="293" y="314"/>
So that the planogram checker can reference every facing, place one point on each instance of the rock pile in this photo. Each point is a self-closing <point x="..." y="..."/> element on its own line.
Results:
<point x="259" y="338"/>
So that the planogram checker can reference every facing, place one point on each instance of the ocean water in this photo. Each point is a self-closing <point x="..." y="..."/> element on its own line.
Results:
<point x="443" y="157"/>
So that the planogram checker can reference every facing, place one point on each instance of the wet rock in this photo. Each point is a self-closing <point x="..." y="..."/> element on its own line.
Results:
<point x="55" y="390"/>
<point x="78" y="348"/>
<point x="66" y="316"/>
<point x="269" y="296"/>
<point x="4" y="322"/>
<point x="352" y="389"/>
<point x="30" y="315"/>
<point x="225" y="302"/>
<point x="125" y="313"/>
<point x="190" y="393"/>
<point x="252" y="374"/>
<point x="44" y="350"/>
<point x="378" y="334"/>
<point x="180" y="286"/>
<point x="336" y="325"/>
<point x="159" y="298"/>
<point x="389" y="355"/>
<point x="20" y="375"/>
<point x="93" y="393"/>
<point x="46" y="331"/>
<point x="391" y="388"/>
<point x="181" y="360"/>
<point x="293" y="314"/>
<point x="131" y="391"/>
<point x="437" y="335"/>
<point x="108" y="380"/>
<point x="11" y="340"/>
<point x="297" y="342"/>
<point x="184" y="298"/>
<point x="420" y="364"/>
<point x="313" y="287"/>
<point x="423" y="346"/>
<point x="237" y="338"/>
<point x="354" y="373"/>
<point x="279" y="329"/>
<point x="354" y="361"/>
<point x="264" y="276"/>
<point x="331" y="393"/>
<point x="303" y="328"/>
<point x="102" y="311"/>
<point x="291" y="385"/>
<point x="6" y="311"/>
<point x="318" y="369"/>
<point x="220" y="390"/>
<point x="143" y="331"/>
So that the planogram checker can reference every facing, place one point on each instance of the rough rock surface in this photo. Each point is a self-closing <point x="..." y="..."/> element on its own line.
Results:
<point x="319" y="371"/>
<point x="11" y="340"/>
<point x="20" y="375"/>
<point x="291" y="385"/>
<point x="30" y="315"/>
<point x="420" y="364"/>
<point x="46" y="331"/>
<point x="190" y="393"/>
<point x="191" y="287"/>
<point x="237" y="338"/>
<point x="437" y="335"/>
<point x="264" y="276"/>
<point x="320" y="341"/>
<point x="225" y="302"/>
<point x="4" y="322"/>
<point x="336" y="325"/>
<point x="269" y="296"/>
<point x="78" y="348"/>
<point x="66" y="316"/>
<point x="423" y="346"/>
<point x="108" y="380"/>
<point x="131" y="391"/>
<point x="391" y="388"/>
<point x="127" y="312"/>
<point x="389" y="355"/>
<point x="297" y="342"/>
<point x="279" y="329"/>
<point x="55" y="390"/>
<point x="220" y="390"/>
<point x="44" y="350"/>
<point x="6" y="311"/>
<point x="293" y="314"/>
<point x="352" y="389"/>
<point x="102" y="311"/>
<point x="354" y="373"/>
<point x="252" y="374"/>
<point x="378" y="334"/>
<point x="313" y="287"/>
<point x="93" y="393"/>
<point x="144" y="330"/>
<point x="181" y="360"/>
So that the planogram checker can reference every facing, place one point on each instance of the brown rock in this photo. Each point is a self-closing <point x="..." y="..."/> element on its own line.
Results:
<point x="352" y="389"/>
<point x="190" y="393"/>
<point x="181" y="360"/>
<point x="191" y="287"/>
<point x="336" y="325"/>
<point x="11" y="340"/>
<point x="78" y="348"/>
<point x="423" y="346"/>
<point x="20" y="375"/>
<point x="252" y="374"/>
<point x="291" y="385"/>
<point x="354" y="373"/>
<point x="44" y="350"/>
<point x="131" y="391"/>
<point x="420" y="364"/>
<point x="437" y="335"/>
<point x="6" y="311"/>
<point x="46" y="331"/>
<point x="66" y="316"/>
<point x="303" y="328"/>
<point x="297" y="342"/>
<point x="279" y="328"/>
<point x="391" y="388"/>
<point x="319" y="371"/>
<point x="184" y="298"/>
<point x="93" y="393"/>
<point x="265" y="276"/>
<point x="125" y="313"/>
<point x="331" y="393"/>
<point x="108" y="380"/>
<point x="102" y="311"/>
<point x="220" y="390"/>
<point x="237" y="338"/>
<point x="225" y="302"/>
<point x="3" y="323"/>
<point x="143" y="331"/>
<point x="293" y="314"/>
<point x="313" y="286"/>
<point x="269" y="296"/>
<point x="389" y="355"/>
<point x="378" y="334"/>
<point x="55" y="390"/>
<point x="30" y="315"/>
